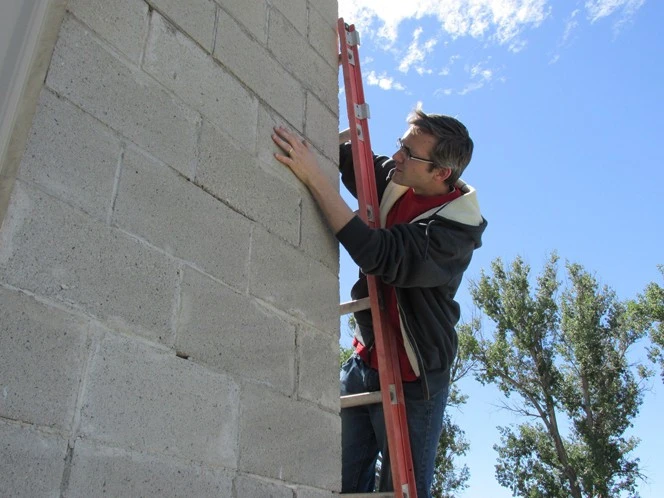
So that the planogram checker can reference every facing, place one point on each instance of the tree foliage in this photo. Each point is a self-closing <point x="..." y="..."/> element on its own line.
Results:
<point x="560" y="359"/>
<point x="448" y="477"/>
<point x="647" y="313"/>
<point x="344" y="354"/>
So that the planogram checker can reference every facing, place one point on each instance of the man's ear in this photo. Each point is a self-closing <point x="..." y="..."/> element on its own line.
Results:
<point x="442" y="174"/>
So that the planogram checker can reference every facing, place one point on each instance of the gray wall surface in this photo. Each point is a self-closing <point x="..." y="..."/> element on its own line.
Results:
<point x="168" y="291"/>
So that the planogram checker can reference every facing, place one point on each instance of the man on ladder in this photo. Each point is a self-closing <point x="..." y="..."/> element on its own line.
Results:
<point x="432" y="226"/>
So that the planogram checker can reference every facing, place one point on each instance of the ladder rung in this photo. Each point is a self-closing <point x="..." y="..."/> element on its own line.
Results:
<point x="372" y="495"/>
<point x="353" y="306"/>
<point x="361" y="399"/>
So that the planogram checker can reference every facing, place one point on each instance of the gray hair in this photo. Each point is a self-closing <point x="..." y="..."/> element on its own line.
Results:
<point x="454" y="147"/>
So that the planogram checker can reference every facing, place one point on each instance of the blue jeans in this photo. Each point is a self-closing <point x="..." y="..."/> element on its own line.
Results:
<point x="363" y="432"/>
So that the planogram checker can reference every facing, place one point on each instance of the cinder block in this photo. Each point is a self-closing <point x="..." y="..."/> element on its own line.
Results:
<point x="194" y="17"/>
<point x="292" y="49"/>
<point x="236" y="176"/>
<point x="265" y="147"/>
<point x="143" y="399"/>
<point x="103" y="471"/>
<point x="285" y="277"/>
<point x="178" y="64"/>
<point x="322" y="128"/>
<point x="58" y="252"/>
<point x="42" y="354"/>
<point x="157" y="204"/>
<point x="330" y="168"/>
<point x="248" y="487"/>
<point x="124" y="98"/>
<point x="289" y="440"/>
<point x="318" y="372"/>
<point x="323" y="36"/>
<point x="72" y="155"/>
<point x="121" y="23"/>
<point x="31" y="463"/>
<point x="252" y="15"/>
<point x="293" y="10"/>
<point x="302" y="492"/>
<point x="229" y="332"/>
<point x="329" y="9"/>
<point x="317" y="239"/>
<point x="281" y="90"/>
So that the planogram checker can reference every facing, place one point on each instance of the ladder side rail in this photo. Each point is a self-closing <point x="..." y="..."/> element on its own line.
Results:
<point x="389" y="372"/>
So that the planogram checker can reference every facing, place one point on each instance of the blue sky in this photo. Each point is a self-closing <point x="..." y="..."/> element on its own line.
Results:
<point x="565" y="103"/>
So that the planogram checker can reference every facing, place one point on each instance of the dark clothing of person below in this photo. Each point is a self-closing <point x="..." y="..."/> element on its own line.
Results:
<point x="363" y="432"/>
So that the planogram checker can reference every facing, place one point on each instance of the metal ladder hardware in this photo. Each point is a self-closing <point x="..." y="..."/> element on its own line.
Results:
<point x="391" y="396"/>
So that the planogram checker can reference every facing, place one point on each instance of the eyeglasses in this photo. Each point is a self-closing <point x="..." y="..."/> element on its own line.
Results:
<point x="409" y="155"/>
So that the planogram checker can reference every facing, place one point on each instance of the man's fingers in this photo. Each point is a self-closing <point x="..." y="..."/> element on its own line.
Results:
<point x="288" y="138"/>
<point x="283" y="144"/>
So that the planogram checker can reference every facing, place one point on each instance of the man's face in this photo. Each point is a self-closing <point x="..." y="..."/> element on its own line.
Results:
<point x="412" y="161"/>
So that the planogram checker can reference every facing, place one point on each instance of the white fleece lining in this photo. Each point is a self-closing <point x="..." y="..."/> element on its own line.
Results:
<point x="391" y="195"/>
<point x="410" y="352"/>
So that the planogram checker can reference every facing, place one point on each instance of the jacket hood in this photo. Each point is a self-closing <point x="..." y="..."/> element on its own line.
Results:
<point x="464" y="209"/>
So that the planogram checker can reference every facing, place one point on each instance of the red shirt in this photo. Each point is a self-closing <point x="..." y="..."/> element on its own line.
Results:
<point x="408" y="207"/>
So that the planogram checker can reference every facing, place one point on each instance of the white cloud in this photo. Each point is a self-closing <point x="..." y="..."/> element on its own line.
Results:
<point x="571" y="24"/>
<point x="499" y="20"/>
<point x="383" y="81"/>
<point x="443" y="91"/>
<point x="471" y="87"/>
<point x="491" y="22"/>
<point x="597" y="9"/>
<point x="446" y="70"/>
<point x="417" y="53"/>
<point x="478" y="71"/>
<point x="480" y="75"/>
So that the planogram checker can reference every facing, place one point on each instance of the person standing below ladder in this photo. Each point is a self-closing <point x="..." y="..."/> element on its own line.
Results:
<point x="431" y="224"/>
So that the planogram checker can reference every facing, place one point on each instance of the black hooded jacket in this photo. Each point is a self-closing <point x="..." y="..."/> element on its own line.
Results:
<point x="424" y="260"/>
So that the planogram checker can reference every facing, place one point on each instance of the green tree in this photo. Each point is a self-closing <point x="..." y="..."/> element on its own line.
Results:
<point x="647" y="313"/>
<point x="344" y="354"/>
<point x="561" y="361"/>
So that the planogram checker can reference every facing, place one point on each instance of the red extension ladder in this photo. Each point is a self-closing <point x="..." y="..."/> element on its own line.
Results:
<point x="391" y="394"/>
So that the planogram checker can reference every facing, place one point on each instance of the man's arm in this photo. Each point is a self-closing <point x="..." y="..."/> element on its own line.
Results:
<point x="304" y="165"/>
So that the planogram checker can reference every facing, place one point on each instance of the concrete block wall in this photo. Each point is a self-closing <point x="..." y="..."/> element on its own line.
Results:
<point x="168" y="291"/>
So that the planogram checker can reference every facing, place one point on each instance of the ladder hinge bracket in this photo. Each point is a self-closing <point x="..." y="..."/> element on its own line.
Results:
<point x="362" y="111"/>
<point x="352" y="38"/>
<point x="393" y="394"/>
